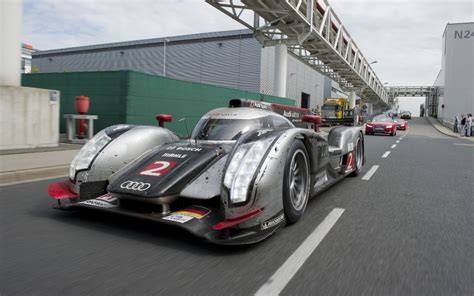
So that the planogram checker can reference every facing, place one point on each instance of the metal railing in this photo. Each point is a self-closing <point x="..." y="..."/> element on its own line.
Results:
<point x="315" y="35"/>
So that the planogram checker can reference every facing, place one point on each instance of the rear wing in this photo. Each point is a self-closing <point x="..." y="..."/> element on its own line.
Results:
<point x="294" y="114"/>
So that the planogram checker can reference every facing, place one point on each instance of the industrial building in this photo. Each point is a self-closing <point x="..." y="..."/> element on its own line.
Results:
<point x="230" y="58"/>
<point x="455" y="81"/>
<point x="26" y="52"/>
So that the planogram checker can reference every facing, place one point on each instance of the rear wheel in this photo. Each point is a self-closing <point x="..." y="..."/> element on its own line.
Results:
<point x="296" y="182"/>
<point x="359" y="155"/>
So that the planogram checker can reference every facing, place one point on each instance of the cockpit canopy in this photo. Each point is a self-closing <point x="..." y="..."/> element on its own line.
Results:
<point x="231" y="123"/>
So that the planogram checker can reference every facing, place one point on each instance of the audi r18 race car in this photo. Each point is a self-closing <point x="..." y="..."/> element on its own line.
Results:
<point x="245" y="171"/>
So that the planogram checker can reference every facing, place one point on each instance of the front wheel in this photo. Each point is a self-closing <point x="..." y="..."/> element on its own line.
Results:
<point x="296" y="182"/>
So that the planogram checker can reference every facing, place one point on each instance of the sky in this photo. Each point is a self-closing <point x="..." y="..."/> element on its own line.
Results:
<point x="403" y="36"/>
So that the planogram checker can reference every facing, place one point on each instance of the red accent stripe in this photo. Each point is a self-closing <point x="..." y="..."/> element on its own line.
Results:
<point x="231" y="222"/>
<point x="60" y="190"/>
<point x="289" y="107"/>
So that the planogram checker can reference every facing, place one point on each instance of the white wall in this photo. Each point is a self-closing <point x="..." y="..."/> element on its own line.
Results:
<point x="10" y="42"/>
<point x="29" y="117"/>
<point x="304" y="78"/>
<point x="458" y="71"/>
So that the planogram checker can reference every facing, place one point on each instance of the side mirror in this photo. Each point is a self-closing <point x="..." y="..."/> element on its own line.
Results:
<point x="162" y="118"/>
<point x="314" y="119"/>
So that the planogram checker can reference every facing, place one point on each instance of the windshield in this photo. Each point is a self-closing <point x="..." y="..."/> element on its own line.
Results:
<point x="224" y="129"/>
<point x="330" y="108"/>
<point x="382" y="119"/>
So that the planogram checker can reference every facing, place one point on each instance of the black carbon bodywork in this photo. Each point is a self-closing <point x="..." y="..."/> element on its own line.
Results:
<point x="185" y="161"/>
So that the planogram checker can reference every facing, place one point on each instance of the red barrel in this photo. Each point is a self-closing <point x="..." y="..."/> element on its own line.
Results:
<point x="82" y="104"/>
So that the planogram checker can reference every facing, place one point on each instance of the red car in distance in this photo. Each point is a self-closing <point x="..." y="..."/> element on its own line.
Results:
<point x="381" y="125"/>
<point x="401" y="123"/>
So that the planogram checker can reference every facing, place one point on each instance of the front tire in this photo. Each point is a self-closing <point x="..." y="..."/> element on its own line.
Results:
<point x="296" y="182"/>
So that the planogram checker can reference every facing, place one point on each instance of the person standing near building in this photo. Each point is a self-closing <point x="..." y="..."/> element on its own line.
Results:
<point x="463" y="123"/>
<point x="468" y="125"/>
<point x="456" y="124"/>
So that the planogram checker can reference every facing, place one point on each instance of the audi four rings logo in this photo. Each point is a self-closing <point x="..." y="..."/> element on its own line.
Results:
<point x="133" y="185"/>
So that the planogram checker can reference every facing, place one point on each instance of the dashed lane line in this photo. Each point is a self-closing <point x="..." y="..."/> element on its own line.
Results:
<point x="393" y="146"/>
<point x="398" y="141"/>
<point x="370" y="173"/>
<point x="385" y="155"/>
<point x="287" y="271"/>
<point x="463" y="144"/>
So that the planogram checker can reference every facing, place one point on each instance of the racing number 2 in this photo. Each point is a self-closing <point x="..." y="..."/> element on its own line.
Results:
<point x="157" y="168"/>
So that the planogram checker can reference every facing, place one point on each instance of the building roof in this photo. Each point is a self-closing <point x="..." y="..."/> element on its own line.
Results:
<point x="144" y="42"/>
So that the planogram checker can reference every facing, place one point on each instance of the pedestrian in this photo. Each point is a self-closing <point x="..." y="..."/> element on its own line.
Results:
<point x="456" y="124"/>
<point x="463" y="123"/>
<point x="468" y="125"/>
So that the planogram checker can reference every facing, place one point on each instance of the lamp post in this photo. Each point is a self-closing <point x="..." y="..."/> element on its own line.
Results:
<point x="373" y="62"/>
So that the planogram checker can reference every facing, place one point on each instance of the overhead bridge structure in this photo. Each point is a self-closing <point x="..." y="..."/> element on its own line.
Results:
<point x="312" y="32"/>
<point x="409" y="91"/>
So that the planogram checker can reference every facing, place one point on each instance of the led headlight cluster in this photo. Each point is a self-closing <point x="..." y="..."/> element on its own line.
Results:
<point x="242" y="167"/>
<point x="85" y="156"/>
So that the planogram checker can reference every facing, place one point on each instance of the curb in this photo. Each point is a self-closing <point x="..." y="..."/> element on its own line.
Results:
<point x="31" y="175"/>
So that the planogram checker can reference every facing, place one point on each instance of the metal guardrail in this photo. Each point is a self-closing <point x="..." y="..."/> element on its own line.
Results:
<point x="315" y="35"/>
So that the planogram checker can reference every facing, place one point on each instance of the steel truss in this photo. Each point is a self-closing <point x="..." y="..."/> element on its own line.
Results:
<point x="315" y="35"/>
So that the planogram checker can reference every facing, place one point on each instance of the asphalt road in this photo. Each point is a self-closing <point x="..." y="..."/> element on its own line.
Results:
<point x="407" y="230"/>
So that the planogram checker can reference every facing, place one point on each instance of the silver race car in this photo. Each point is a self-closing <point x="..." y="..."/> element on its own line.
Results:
<point x="246" y="171"/>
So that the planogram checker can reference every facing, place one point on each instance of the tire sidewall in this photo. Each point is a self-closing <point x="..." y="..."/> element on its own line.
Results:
<point x="292" y="215"/>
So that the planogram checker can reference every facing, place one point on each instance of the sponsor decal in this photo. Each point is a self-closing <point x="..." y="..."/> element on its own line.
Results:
<point x="272" y="222"/>
<point x="135" y="186"/>
<point x="217" y="115"/>
<point x="260" y="105"/>
<point x="195" y="212"/>
<point x="178" y="218"/>
<point x="157" y="168"/>
<point x="98" y="203"/>
<point x="187" y="214"/>
<point x="192" y="149"/>
<point x="108" y="198"/>
<point x="174" y="155"/>
<point x="291" y="114"/>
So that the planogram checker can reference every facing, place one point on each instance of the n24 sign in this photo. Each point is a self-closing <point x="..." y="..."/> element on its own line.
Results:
<point x="157" y="168"/>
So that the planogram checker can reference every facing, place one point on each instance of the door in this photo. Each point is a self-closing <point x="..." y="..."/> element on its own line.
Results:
<point x="304" y="100"/>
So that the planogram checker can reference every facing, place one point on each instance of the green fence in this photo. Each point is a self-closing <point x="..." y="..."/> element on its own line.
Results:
<point x="133" y="97"/>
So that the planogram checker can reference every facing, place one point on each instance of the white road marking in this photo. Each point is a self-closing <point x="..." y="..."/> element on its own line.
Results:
<point x="369" y="174"/>
<point x="393" y="146"/>
<point x="287" y="271"/>
<point x="463" y="144"/>
<point x="398" y="141"/>
<point x="386" y="154"/>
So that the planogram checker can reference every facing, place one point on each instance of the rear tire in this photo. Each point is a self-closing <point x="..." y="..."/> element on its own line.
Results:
<point x="360" y="155"/>
<point x="296" y="182"/>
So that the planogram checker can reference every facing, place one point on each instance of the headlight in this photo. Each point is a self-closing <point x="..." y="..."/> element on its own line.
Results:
<point x="242" y="168"/>
<point x="83" y="159"/>
<point x="388" y="126"/>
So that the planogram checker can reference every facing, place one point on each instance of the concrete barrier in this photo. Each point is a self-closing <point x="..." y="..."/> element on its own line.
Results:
<point x="29" y="117"/>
